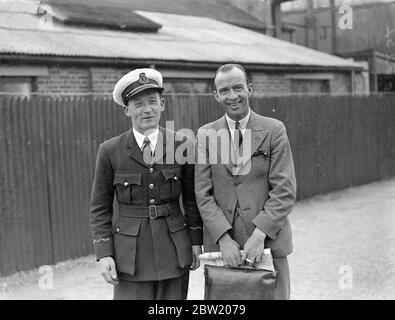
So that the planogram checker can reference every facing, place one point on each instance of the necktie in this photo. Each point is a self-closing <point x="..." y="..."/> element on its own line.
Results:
<point x="238" y="135"/>
<point x="147" y="151"/>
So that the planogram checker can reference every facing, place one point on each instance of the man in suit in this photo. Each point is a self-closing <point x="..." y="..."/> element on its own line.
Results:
<point x="245" y="201"/>
<point x="148" y="247"/>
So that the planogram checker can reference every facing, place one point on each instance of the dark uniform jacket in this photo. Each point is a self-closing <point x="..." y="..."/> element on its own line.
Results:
<point x="148" y="235"/>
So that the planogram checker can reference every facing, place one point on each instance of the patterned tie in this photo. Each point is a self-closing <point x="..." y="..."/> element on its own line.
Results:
<point x="238" y="135"/>
<point x="147" y="151"/>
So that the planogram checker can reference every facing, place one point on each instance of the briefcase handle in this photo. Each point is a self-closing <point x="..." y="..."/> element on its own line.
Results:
<point x="215" y="258"/>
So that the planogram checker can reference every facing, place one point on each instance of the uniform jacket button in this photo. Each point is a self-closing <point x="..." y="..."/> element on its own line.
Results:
<point x="151" y="186"/>
<point x="151" y="170"/>
<point x="175" y="178"/>
<point x="152" y="201"/>
<point x="126" y="183"/>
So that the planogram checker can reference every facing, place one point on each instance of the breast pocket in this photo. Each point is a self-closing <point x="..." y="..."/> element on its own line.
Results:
<point x="171" y="188"/>
<point x="261" y="163"/>
<point x="128" y="187"/>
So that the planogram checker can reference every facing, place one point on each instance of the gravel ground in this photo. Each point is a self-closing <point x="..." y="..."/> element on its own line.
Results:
<point x="344" y="248"/>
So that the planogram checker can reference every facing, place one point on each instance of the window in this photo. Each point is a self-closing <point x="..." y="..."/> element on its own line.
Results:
<point x="309" y="86"/>
<point x="324" y="33"/>
<point x="386" y="83"/>
<point x="16" y="85"/>
<point x="188" y="86"/>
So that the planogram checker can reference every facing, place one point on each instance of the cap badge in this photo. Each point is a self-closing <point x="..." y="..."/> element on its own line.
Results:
<point x="143" y="78"/>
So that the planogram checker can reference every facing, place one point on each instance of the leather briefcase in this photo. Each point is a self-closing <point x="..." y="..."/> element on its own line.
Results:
<point x="242" y="283"/>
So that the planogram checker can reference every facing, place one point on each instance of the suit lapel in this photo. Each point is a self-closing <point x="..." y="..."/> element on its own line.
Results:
<point x="257" y="135"/>
<point x="134" y="149"/>
<point x="258" y="132"/>
<point x="160" y="148"/>
<point x="221" y="125"/>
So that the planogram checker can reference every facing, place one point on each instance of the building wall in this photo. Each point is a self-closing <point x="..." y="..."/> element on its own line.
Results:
<point x="362" y="83"/>
<point x="64" y="79"/>
<point x="104" y="79"/>
<point x="259" y="9"/>
<point x="373" y="26"/>
<point x="340" y="84"/>
<point x="79" y="80"/>
<point x="270" y="84"/>
<point x="279" y="84"/>
<point x="101" y="80"/>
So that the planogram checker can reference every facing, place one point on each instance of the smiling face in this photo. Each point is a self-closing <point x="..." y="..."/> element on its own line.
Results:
<point x="145" y="109"/>
<point x="233" y="92"/>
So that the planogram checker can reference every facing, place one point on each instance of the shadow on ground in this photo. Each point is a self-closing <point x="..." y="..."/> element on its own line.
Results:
<point x="344" y="248"/>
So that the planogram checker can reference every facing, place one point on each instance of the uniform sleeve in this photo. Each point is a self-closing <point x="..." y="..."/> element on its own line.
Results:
<point x="192" y="214"/>
<point x="101" y="205"/>
<point x="282" y="184"/>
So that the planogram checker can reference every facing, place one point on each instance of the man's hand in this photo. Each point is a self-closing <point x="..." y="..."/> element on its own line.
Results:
<point x="230" y="250"/>
<point x="108" y="270"/>
<point x="196" y="251"/>
<point x="254" y="247"/>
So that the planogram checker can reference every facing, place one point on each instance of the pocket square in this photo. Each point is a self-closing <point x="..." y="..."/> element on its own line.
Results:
<point x="261" y="153"/>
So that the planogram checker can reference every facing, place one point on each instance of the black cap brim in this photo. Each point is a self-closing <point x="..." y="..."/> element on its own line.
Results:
<point x="143" y="88"/>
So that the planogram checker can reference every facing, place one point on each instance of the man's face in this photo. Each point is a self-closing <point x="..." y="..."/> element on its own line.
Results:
<point x="145" y="109"/>
<point x="233" y="92"/>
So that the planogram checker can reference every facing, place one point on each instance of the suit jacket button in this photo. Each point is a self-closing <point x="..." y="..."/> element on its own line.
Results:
<point x="126" y="183"/>
<point x="152" y="201"/>
<point x="151" y="170"/>
<point x="175" y="178"/>
<point x="151" y="186"/>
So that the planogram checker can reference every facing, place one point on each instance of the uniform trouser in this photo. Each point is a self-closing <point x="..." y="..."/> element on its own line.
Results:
<point x="240" y="235"/>
<point x="170" y="289"/>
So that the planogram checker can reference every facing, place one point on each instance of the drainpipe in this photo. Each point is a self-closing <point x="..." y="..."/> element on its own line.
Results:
<point x="276" y="18"/>
<point x="373" y="72"/>
<point x="334" y="26"/>
<point x="353" y="83"/>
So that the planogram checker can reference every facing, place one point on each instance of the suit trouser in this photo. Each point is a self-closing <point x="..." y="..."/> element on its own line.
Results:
<point x="170" y="289"/>
<point x="240" y="235"/>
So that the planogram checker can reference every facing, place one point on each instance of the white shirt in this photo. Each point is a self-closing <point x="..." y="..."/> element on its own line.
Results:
<point x="232" y="124"/>
<point x="152" y="136"/>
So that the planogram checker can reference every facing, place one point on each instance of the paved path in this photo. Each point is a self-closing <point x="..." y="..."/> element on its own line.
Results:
<point x="344" y="249"/>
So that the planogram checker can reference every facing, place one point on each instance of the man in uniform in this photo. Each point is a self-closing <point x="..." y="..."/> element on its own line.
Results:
<point x="148" y="248"/>
<point x="245" y="205"/>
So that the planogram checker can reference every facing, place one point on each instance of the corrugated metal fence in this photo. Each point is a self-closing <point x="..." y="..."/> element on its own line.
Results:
<point x="48" y="148"/>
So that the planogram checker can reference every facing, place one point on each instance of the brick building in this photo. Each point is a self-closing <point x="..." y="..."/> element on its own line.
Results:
<point x="66" y="47"/>
<point x="369" y="36"/>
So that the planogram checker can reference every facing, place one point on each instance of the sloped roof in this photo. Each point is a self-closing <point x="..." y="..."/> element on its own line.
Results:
<point x="181" y="38"/>
<point x="216" y="9"/>
<point x="100" y="16"/>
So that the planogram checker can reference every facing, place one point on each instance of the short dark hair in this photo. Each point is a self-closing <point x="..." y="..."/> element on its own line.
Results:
<point x="229" y="66"/>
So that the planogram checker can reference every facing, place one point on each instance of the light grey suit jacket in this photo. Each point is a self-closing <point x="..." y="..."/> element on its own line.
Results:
<point x="266" y="192"/>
